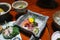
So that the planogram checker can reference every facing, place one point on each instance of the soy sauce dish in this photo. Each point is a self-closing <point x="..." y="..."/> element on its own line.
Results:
<point x="4" y="8"/>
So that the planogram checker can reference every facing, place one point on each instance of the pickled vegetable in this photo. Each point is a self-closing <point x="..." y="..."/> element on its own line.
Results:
<point x="1" y="10"/>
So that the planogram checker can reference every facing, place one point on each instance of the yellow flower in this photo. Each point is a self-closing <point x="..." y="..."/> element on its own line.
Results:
<point x="31" y="20"/>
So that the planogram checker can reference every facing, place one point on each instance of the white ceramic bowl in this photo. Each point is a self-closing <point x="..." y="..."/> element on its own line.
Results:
<point x="56" y="19"/>
<point x="8" y="5"/>
<point x="55" y="35"/>
<point x="17" y="3"/>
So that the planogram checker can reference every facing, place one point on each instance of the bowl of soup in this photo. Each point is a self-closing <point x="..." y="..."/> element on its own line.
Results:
<point x="4" y="8"/>
<point x="20" y="6"/>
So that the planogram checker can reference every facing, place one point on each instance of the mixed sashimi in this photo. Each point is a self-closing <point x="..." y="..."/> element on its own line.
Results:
<point x="30" y="24"/>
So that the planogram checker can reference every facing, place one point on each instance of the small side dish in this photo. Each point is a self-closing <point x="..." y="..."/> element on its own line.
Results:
<point x="20" y="6"/>
<point x="32" y="23"/>
<point x="10" y="32"/>
<point x="4" y="8"/>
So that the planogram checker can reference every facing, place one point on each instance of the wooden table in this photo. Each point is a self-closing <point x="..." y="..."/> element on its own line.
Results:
<point x="48" y="12"/>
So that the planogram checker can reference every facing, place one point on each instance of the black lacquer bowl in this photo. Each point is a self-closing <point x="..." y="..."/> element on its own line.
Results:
<point x="5" y="16"/>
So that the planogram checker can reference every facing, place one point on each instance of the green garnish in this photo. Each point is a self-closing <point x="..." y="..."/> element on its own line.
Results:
<point x="21" y="6"/>
<point x="35" y="24"/>
<point x="36" y="30"/>
<point x="15" y="31"/>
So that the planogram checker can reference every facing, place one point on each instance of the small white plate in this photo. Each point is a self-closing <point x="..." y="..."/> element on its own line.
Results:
<point x="4" y="26"/>
<point x="55" y="35"/>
